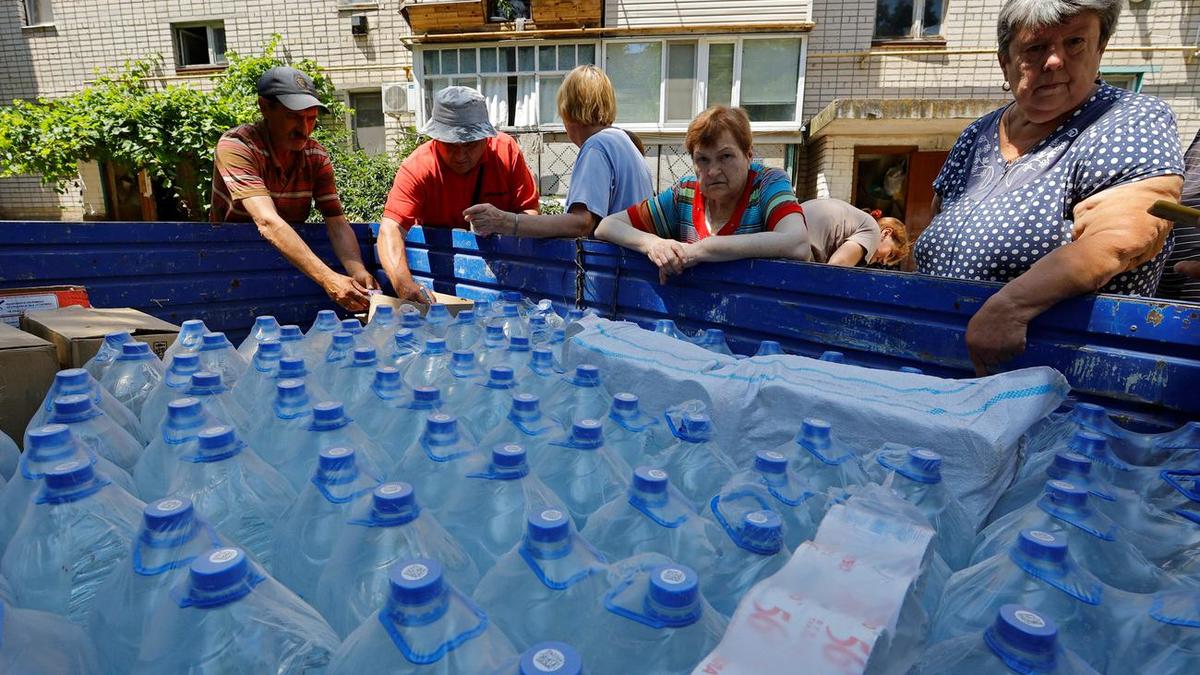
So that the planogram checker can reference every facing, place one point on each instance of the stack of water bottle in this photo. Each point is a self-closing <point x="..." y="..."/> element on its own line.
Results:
<point x="435" y="494"/>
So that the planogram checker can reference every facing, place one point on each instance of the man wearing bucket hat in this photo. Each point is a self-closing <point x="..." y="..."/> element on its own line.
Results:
<point x="271" y="172"/>
<point x="467" y="162"/>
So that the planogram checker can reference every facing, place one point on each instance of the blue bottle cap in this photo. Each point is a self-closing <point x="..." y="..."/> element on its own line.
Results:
<point x="763" y="530"/>
<point x="403" y="337"/>
<point x="191" y="325"/>
<point x="1089" y="443"/>
<point x="290" y="333"/>
<point x="1090" y="414"/>
<point x="219" y="570"/>
<point x="518" y="343"/>
<point x="435" y="346"/>
<point x="508" y="310"/>
<point x="1026" y="629"/>
<point x="329" y="415"/>
<point x="385" y="313"/>
<point x="117" y="338"/>
<point x="184" y="412"/>
<point x="769" y="461"/>
<point x="214" y="340"/>
<point x="768" y="348"/>
<point x="525" y="403"/>
<point x="50" y="442"/>
<point x="508" y="456"/>
<point x="548" y="525"/>
<point x="925" y="465"/>
<point x="541" y="357"/>
<point x="625" y="403"/>
<point x="335" y="459"/>
<point x="537" y="320"/>
<point x="438" y="424"/>
<point x="135" y="349"/>
<point x="650" y="480"/>
<point x="494" y="332"/>
<point x="351" y="326"/>
<point x="558" y="335"/>
<point x="833" y="357"/>
<point x="387" y="377"/>
<point x="1042" y="545"/>
<point x="557" y="658"/>
<point x="1072" y="462"/>
<point x="206" y="380"/>
<point x="269" y="347"/>
<point x="674" y="586"/>
<point x="437" y="312"/>
<point x="265" y="322"/>
<point x="364" y="356"/>
<point x="411" y="320"/>
<point x="465" y="316"/>
<point x="587" y="431"/>
<point x="292" y="367"/>
<point x="72" y="377"/>
<point x="574" y="315"/>
<point x="696" y="427"/>
<point x="665" y="326"/>
<point x="428" y="395"/>
<point x="815" y="432"/>
<point x="462" y="358"/>
<point x="73" y="404"/>
<point x="482" y="306"/>
<point x="291" y="390"/>
<point x="393" y="499"/>
<point x="164" y="515"/>
<point x="1066" y="493"/>
<point x="415" y="582"/>
<point x="587" y="375"/>
<point x="911" y="369"/>
<point x="215" y="439"/>
<point x="343" y="341"/>
<point x="714" y="335"/>
<point x="500" y="375"/>
<point x="69" y="475"/>
<point x="185" y="363"/>
<point x="510" y="296"/>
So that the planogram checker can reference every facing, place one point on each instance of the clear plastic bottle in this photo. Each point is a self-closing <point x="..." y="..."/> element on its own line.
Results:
<point x="583" y="472"/>
<point x="178" y="436"/>
<point x="79" y="381"/>
<point x="217" y="355"/>
<point x="698" y="464"/>
<point x="431" y="463"/>
<point x="431" y="368"/>
<point x="353" y="381"/>
<point x="174" y="385"/>
<point x="191" y="336"/>
<point x="489" y="402"/>
<point x="579" y="396"/>
<point x="320" y="335"/>
<point x="109" y="350"/>
<point x="264" y="328"/>
<point x="96" y="430"/>
<point x="1019" y="641"/>
<point x="133" y="375"/>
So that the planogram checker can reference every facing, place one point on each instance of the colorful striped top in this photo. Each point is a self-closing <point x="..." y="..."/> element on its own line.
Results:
<point x="243" y="166"/>
<point x="678" y="212"/>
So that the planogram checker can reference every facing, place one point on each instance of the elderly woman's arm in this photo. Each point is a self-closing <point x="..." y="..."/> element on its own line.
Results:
<point x="670" y="256"/>
<point x="789" y="239"/>
<point x="1113" y="234"/>
<point x="486" y="219"/>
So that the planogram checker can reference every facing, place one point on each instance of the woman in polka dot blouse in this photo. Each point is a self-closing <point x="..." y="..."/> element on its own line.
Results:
<point x="1050" y="193"/>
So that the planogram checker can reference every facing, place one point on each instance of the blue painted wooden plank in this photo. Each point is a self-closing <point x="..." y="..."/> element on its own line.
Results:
<point x="21" y="266"/>
<point x="59" y="233"/>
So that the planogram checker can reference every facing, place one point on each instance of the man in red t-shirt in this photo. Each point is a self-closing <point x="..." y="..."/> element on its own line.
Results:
<point x="467" y="163"/>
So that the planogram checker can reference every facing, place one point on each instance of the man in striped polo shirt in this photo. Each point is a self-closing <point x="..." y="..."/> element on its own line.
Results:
<point x="271" y="172"/>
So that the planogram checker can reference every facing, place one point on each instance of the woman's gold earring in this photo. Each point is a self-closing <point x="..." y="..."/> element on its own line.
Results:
<point x="1006" y="86"/>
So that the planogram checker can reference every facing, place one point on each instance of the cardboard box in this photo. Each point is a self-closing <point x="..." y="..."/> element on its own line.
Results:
<point x="77" y="333"/>
<point x="453" y="303"/>
<point x="14" y="302"/>
<point x="27" y="367"/>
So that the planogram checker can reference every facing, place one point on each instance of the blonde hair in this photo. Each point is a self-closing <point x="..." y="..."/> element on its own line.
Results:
<point x="899" y="236"/>
<point x="586" y="97"/>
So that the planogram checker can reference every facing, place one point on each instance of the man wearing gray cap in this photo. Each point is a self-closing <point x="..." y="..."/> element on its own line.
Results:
<point x="468" y="162"/>
<point x="271" y="172"/>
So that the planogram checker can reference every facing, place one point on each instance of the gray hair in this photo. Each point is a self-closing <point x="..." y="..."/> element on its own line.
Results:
<point x="1018" y="14"/>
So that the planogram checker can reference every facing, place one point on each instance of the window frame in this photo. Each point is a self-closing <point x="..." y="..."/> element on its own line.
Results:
<point x="29" y="7"/>
<point x="216" y="61"/>
<point x="916" y="31"/>
<point x="1136" y="73"/>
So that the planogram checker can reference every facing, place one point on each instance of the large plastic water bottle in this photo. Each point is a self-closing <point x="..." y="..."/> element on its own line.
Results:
<point x="488" y="511"/>
<point x="77" y="530"/>
<point x="36" y="642"/>
<point x="489" y="402"/>
<point x="1037" y="571"/>
<point x="292" y="368"/>
<point x="465" y="377"/>
<point x="1096" y="447"/>
<point x="431" y="462"/>
<point x="579" y="396"/>
<point x="291" y="338"/>
<point x="178" y="436"/>
<point x="391" y="527"/>
<point x="191" y="336"/>
<point x="1100" y="544"/>
<point x="431" y="368"/>
<point x="916" y="475"/>
<point x="557" y="658"/>
<point x="95" y="429"/>
<point x="405" y="422"/>
<point x="307" y="531"/>
<point x="230" y="617"/>
<point x="582" y="472"/>
<point x="493" y="341"/>
<point x="109" y="350"/>
<point x="483" y="311"/>
<point x="667" y="327"/>
<point x="403" y="348"/>
<point x="539" y="330"/>
<point x="516" y="356"/>
<point x="547" y="587"/>
<point x="632" y="434"/>
<point x="769" y="484"/>
<point x="355" y="328"/>
<point x="526" y="426"/>
<point x="217" y="400"/>
<point x="331" y="427"/>
<point x="411" y="319"/>
<point x="217" y="355"/>
<point x="655" y="518"/>
<point x="820" y="461"/>
<point x="424" y="624"/>
<point x="1065" y="465"/>
<point x="699" y="466"/>
<point x="45" y="448"/>
<point x="170" y="538"/>
<point x="757" y="552"/>
<point x="1020" y="640"/>
<point x="277" y="437"/>
<point x="174" y="385"/>
<point x="320" y="334"/>
<point x="339" y="353"/>
<point x="713" y="339"/>
<point x="1165" y="537"/>
<point x="539" y="376"/>
<point x="133" y="375"/>
<point x="379" y="404"/>
<point x="78" y="381"/>
<point x="352" y="381"/>
<point x="769" y="348"/>
<point x="382" y="326"/>
<point x="464" y="333"/>
<point x="240" y="495"/>
<point x="258" y="383"/>
<point x="509" y="318"/>
<point x="9" y="457"/>
<point x="655" y="621"/>
<point x="264" y="328"/>
<point x="437" y="320"/>
<point x="1158" y="633"/>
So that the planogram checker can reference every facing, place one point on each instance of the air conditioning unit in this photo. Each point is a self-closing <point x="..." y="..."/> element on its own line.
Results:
<point x="399" y="98"/>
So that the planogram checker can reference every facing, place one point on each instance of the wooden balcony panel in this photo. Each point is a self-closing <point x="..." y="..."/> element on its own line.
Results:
<point x="470" y="16"/>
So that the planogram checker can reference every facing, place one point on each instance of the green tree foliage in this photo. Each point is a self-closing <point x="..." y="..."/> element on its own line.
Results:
<point x="130" y="118"/>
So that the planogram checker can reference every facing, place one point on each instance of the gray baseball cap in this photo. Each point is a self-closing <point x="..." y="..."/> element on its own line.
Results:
<point x="294" y="89"/>
<point x="459" y="115"/>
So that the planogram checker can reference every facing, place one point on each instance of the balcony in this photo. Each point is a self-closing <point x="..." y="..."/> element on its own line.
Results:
<point x="481" y="16"/>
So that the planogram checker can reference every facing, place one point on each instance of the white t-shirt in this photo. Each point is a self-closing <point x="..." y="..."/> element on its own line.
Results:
<point x="833" y="222"/>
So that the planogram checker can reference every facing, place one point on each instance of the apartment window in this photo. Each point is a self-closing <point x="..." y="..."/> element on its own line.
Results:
<point x="909" y="19"/>
<point x="367" y="121"/>
<point x="1126" y="77"/>
<point x="508" y="10"/>
<point x="681" y="81"/>
<point x="770" y="72"/>
<point x="519" y="82"/>
<point x="720" y="74"/>
<point x="635" y="69"/>
<point x="199" y="45"/>
<point x="38" y="12"/>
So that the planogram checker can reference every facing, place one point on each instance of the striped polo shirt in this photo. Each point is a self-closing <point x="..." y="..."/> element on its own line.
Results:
<point x="243" y="166"/>
<point x="678" y="212"/>
<point x="1187" y="237"/>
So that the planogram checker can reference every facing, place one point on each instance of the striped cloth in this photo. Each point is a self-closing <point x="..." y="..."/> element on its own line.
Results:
<point x="243" y="166"/>
<point x="678" y="212"/>
<point x="1187" y="237"/>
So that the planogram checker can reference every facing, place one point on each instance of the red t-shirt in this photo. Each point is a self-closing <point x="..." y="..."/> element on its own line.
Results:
<point x="427" y="193"/>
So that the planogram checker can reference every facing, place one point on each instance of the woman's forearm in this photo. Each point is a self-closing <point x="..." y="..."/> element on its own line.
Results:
<point x="574" y="224"/>
<point x="1078" y="268"/>
<point x="619" y="230"/>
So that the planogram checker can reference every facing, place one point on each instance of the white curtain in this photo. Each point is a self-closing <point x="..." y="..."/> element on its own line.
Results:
<point x="495" y="90"/>
<point x="526" y="102"/>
